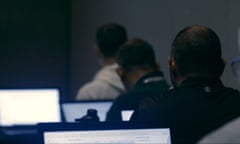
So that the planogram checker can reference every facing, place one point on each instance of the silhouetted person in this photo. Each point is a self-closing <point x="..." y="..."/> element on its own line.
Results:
<point x="140" y="74"/>
<point x="91" y="116"/>
<point x="106" y="84"/>
<point x="199" y="103"/>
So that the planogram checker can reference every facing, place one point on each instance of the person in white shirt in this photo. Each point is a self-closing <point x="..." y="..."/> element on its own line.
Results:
<point x="106" y="84"/>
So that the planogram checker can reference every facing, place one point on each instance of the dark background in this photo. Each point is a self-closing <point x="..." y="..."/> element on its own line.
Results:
<point x="34" y="46"/>
<point x="48" y="43"/>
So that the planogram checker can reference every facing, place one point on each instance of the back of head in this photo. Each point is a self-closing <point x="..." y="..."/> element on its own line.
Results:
<point x="136" y="53"/>
<point x="197" y="50"/>
<point x="109" y="38"/>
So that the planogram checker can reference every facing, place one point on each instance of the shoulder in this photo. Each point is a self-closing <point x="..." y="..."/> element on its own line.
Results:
<point x="93" y="90"/>
<point x="86" y="90"/>
<point x="123" y="100"/>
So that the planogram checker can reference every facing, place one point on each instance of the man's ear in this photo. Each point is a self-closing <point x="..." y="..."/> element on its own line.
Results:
<point x="98" y="51"/>
<point x="172" y="63"/>
<point x="224" y="62"/>
<point x="119" y="71"/>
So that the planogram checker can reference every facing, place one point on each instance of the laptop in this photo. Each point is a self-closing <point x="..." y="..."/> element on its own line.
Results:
<point x="22" y="109"/>
<point x="73" y="110"/>
<point x="103" y="132"/>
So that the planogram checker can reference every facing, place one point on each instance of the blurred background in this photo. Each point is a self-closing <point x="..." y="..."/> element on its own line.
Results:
<point x="49" y="43"/>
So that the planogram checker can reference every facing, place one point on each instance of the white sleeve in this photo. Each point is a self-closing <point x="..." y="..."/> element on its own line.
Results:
<point x="87" y="92"/>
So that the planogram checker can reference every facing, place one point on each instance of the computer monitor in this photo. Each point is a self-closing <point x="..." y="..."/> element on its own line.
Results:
<point x="73" y="110"/>
<point x="103" y="132"/>
<point x="28" y="106"/>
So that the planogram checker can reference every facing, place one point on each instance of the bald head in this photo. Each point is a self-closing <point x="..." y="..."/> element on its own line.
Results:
<point x="197" y="50"/>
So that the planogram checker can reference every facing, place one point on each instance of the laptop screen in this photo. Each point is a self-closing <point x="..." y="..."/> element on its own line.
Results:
<point x="77" y="109"/>
<point x="114" y="135"/>
<point x="29" y="106"/>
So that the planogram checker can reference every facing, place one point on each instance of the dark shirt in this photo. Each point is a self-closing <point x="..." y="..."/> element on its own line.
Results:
<point x="197" y="107"/>
<point x="150" y="83"/>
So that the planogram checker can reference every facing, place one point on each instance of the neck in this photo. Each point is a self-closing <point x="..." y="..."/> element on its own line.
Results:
<point x="108" y="61"/>
<point x="138" y="74"/>
<point x="182" y="78"/>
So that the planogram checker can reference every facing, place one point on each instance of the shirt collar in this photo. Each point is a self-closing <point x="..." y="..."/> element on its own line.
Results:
<point x="150" y="77"/>
<point x="201" y="81"/>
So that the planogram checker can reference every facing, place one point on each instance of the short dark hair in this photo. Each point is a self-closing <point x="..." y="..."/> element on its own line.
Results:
<point x="197" y="49"/>
<point x="136" y="53"/>
<point x="110" y="37"/>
